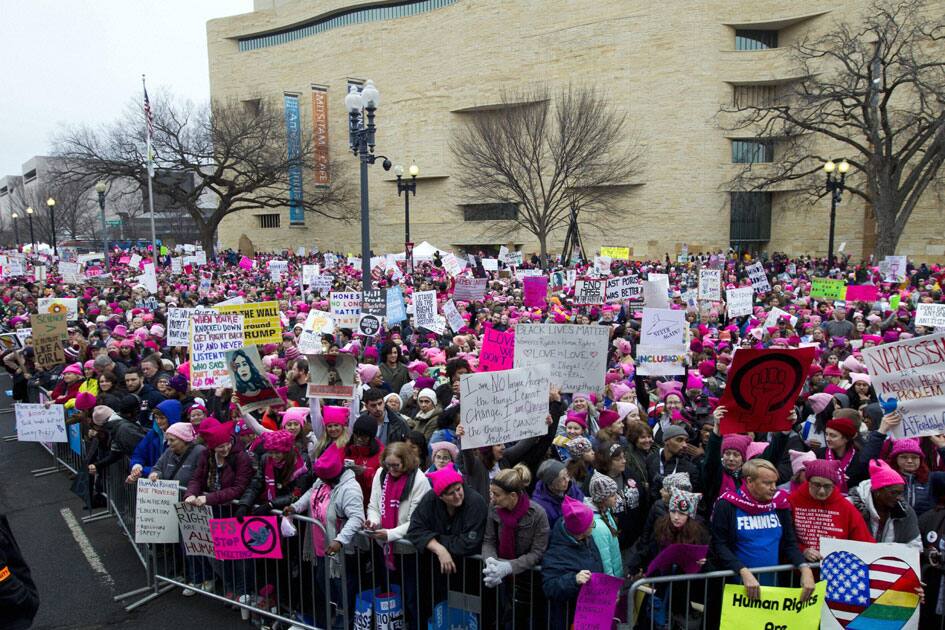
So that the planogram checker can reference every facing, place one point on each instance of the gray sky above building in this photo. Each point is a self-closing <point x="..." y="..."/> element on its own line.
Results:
<point x="81" y="61"/>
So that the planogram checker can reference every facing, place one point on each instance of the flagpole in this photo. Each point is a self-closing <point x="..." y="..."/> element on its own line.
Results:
<point x="150" y="167"/>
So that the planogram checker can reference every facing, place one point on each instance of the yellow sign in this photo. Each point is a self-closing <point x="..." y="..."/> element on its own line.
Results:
<point x="616" y="253"/>
<point x="261" y="323"/>
<point x="777" y="607"/>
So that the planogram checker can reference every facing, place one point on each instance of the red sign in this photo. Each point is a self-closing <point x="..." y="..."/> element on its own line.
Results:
<point x="763" y="386"/>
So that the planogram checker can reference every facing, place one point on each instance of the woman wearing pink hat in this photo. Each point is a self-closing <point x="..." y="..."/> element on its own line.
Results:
<point x="880" y="501"/>
<point x="906" y="457"/>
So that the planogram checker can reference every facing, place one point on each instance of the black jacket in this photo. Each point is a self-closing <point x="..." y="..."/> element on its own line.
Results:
<point x="677" y="464"/>
<point x="19" y="599"/>
<point x="285" y="494"/>
<point x="148" y="399"/>
<point x="461" y="534"/>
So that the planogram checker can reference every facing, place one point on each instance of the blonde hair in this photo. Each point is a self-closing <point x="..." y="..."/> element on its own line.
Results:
<point x="515" y="479"/>
<point x="752" y="467"/>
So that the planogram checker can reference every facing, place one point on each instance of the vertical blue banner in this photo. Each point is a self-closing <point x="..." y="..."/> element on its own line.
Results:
<point x="293" y="132"/>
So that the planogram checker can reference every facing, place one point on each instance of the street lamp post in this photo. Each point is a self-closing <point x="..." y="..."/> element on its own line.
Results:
<point x="407" y="187"/>
<point x="52" y="223"/>
<point x="835" y="186"/>
<point x="100" y="189"/>
<point x="361" y="107"/>
<point x="29" y="215"/>
<point x="16" y="231"/>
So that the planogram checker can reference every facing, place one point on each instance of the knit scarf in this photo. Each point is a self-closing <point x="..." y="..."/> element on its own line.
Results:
<point x="746" y="503"/>
<point x="390" y="511"/>
<point x="270" y="475"/>
<point x="509" y="520"/>
<point x="844" y="462"/>
<point x="729" y="482"/>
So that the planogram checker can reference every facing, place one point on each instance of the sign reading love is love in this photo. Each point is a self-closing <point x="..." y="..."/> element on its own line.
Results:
<point x="577" y="354"/>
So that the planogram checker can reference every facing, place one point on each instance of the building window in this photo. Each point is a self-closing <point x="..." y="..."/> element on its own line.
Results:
<point x="750" y="218"/>
<point x="349" y="17"/>
<point x="755" y="95"/>
<point x="752" y="151"/>
<point x="29" y="176"/>
<point x="490" y="212"/>
<point x="755" y="40"/>
<point x="268" y="220"/>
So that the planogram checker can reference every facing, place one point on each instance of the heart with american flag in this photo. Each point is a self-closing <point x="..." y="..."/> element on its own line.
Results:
<point x="880" y="595"/>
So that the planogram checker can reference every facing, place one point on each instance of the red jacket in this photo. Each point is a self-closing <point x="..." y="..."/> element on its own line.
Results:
<point x="63" y="392"/>
<point x="362" y="457"/>
<point x="834" y="518"/>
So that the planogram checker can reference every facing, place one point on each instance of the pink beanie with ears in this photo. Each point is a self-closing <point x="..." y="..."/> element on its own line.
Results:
<point x="577" y="516"/>
<point x="882" y="475"/>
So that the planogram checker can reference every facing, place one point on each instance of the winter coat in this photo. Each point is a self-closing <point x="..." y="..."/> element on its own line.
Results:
<point x="918" y="493"/>
<point x="179" y="467"/>
<point x="19" y="598"/>
<point x="476" y="473"/>
<point x="148" y="400"/>
<point x="235" y="477"/>
<point x="395" y="377"/>
<point x="64" y="392"/>
<point x="460" y="533"/>
<point x="152" y="446"/>
<point x="552" y="502"/>
<point x="415" y="489"/>
<point x="89" y="386"/>
<point x="563" y="560"/>
<point x="425" y="424"/>
<point x="125" y="434"/>
<point x="902" y="520"/>
<point x="608" y="545"/>
<point x="657" y="468"/>
<point x="810" y="514"/>
<point x="531" y="538"/>
<point x="345" y="515"/>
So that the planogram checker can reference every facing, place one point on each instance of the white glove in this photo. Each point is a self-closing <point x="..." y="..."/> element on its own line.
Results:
<point x="495" y="571"/>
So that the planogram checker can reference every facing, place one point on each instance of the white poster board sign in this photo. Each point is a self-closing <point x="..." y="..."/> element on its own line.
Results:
<point x="710" y="285"/>
<point x="504" y="406"/>
<point x="211" y="337"/>
<point x="424" y="304"/>
<point x="930" y="315"/>
<point x="739" y="301"/>
<point x="576" y="355"/>
<point x="660" y="360"/>
<point x="178" y="325"/>
<point x="453" y="318"/>
<point x="155" y="516"/>
<point x="663" y="327"/>
<point x="35" y="423"/>
<point x="758" y="277"/>
<point x="194" y="524"/>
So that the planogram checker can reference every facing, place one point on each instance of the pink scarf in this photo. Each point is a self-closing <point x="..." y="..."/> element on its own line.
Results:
<point x="270" y="475"/>
<point x="318" y="509"/>
<point x="509" y="520"/>
<point x="746" y="503"/>
<point x="844" y="462"/>
<point x="390" y="511"/>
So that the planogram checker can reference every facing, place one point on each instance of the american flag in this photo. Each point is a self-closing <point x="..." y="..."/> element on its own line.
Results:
<point x="148" y="114"/>
<point x="853" y="587"/>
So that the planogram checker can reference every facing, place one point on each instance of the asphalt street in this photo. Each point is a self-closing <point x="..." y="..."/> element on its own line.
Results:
<point x="77" y="585"/>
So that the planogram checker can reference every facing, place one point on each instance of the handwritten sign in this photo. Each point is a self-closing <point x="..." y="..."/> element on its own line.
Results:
<point x="597" y="602"/>
<point x="663" y="327"/>
<point x="424" y="304"/>
<point x="577" y="355"/>
<point x="536" y="288"/>
<point x="590" y="291"/>
<point x="862" y="293"/>
<point x="70" y="273"/>
<point x="470" y="289"/>
<point x="345" y="308"/>
<point x="54" y="305"/>
<point x="758" y="277"/>
<point x="49" y="331"/>
<point x="828" y="289"/>
<point x="453" y="318"/>
<point x="396" y="309"/>
<point x="35" y="423"/>
<point x="930" y="315"/>
<point x="255" y="537"/>
<point x="710" y="285"/>
<point x="738" y="302"/>
<point x="374" y="302"/>
<point x="261" y="322"/>
<point x="913" y="373"/>
<point x="317" y="323"/>
<point x="497" y="351"/>
<point x="211" y="336"/>
<point x="194" y="524"/>
<point x="624" y="289"/>
<point x="893" y="268"/>
<point x="500" y="407"/>
<point x="155" y="516"/>
<point x="616" y="253"/>
<point x="178" y="325"/>
<point x="660" y="360"/>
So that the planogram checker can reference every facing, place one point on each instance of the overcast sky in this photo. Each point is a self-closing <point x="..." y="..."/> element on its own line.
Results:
<point x="68" y="61"/>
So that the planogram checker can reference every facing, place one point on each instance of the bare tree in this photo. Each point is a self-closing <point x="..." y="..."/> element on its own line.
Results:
<point x="237" y="152"/>
<point x="549" y="153"/>
<point x="76" y="212"/>
<point x="874" y="93"/>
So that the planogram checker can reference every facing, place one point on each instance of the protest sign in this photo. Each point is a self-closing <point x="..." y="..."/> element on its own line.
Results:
<point x="15" y="267"/>
<point x="424" y="313"/>
<point x="893" y="268"/>
<point x="513" y="259"/>
<point x="39" y="273"/>
<point x="624" y="289"/>
<point x="776" y="607"/>
<point x="536" y="289"/>
<point x="616" y="253"/>
<point x="178" y="325"/>
<point x="775" y="315"/>
<point x="498" y="350"/>
<point x="201" y="257"/>
<point x="233" y="301"/>
<point x="345" y="307"/>
<point x="10" y="341"/>
<point x="370" y="325"/>
<point x="308" y="273"/>
<point x="490" y="264"/>
<point x="602" y="265"/>
<point x="869" y="585"/>
<point x="321" y="284"/>
<point x="862" y="293"/>
<point x="828" y="289"/>
<point x="194" y="525"/>
<point x="155" y="516"/>
<point x="374" y="302"/>
<point x="589" y="291"/>
<point x="55" y="305"/>
<point x="261" y="322"/>
<point x="577" y="355"/>
<point x="710" y="285"/>
<point x="148" y="279"/>
<point x="762" y="388"/>
<point x="177" y="265"/>
<point x="663" y="327"/>
<point x="254" y="537"/>
<point x="317" y="323"/>
<point x="659" y="360"/>
<point x="911" y="372"/>
<point x="35" y="423"/>
<point x="469" y="289"/>
<point x="252" y="387"/>
<point x="70" y="273"/>
<point x="396" y="309"/>
<point x="277" y="269"/>
<point x="331" y="376"/>
<point x="211" y="336"/>
<point x="758" y="277"/>
<point x="504" y="406"/>
<point x="656" y="291"/>
<point x="135" y="261"/>
<point x="738" y="302"/>
<point x="49" y="331"/>
<point x="685" y="556"/>
<point x="930" y="315"/>
<point x="453" y="265"/>
<point x="597" y="602"/>
<point x="453" y="318"/>
<point x="23" y="334"/>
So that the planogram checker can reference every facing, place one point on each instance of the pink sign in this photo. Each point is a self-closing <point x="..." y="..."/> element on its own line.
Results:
<point x="498" y="350"/>
<point x="124" y="260"/>
<point x="536" y="288"/>
<point x="862" y="293"/>
<point x="93" y="271"/>
<point x="255" y="537"/>
<point x="597" y="602"/>
<point x="246" y="263"/>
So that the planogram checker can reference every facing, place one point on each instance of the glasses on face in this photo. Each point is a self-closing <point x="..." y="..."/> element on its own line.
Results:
<point x="821" y="487"/>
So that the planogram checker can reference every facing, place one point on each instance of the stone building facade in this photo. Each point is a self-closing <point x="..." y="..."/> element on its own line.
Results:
<point x="669" y="66"/>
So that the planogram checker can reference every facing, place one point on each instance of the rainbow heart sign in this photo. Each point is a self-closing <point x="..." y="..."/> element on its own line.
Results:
<point x="870" y="585"/>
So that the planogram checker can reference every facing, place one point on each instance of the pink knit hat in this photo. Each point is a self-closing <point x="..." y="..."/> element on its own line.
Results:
<point x="443" y="479"/>
<point x="799" y="458"/>
<point x="607" y="418"/>
<point x="294" y="414"/>
<point x="84" y="401"/>
<point x="214" y="432"/>
<point x="330" y="464"/>
<point x="823" y="468"/>
<point x="335" y="415"/>
<point x="578" y="417"/>
<point x="619" y="390"/>
<point x="182" y="431"/>
<point x="881" y="475"/>
<point x="277" y="441"/>
<point x="907" y="445"/>
<point x="367" y="372"/>
<point x="577" y="516"/>
<point x="819" y="402"/>
<point x="736" y="442"/>
<point x="856" y="377"/>
<point x="73" y="368"/>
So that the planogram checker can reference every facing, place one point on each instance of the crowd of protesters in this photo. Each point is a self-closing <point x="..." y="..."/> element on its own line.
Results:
<point x="620" y="474"/>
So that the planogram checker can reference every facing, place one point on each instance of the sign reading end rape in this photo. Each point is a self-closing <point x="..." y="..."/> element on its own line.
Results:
<point x="911" y="372"/>
<point x="505" y="406"/>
